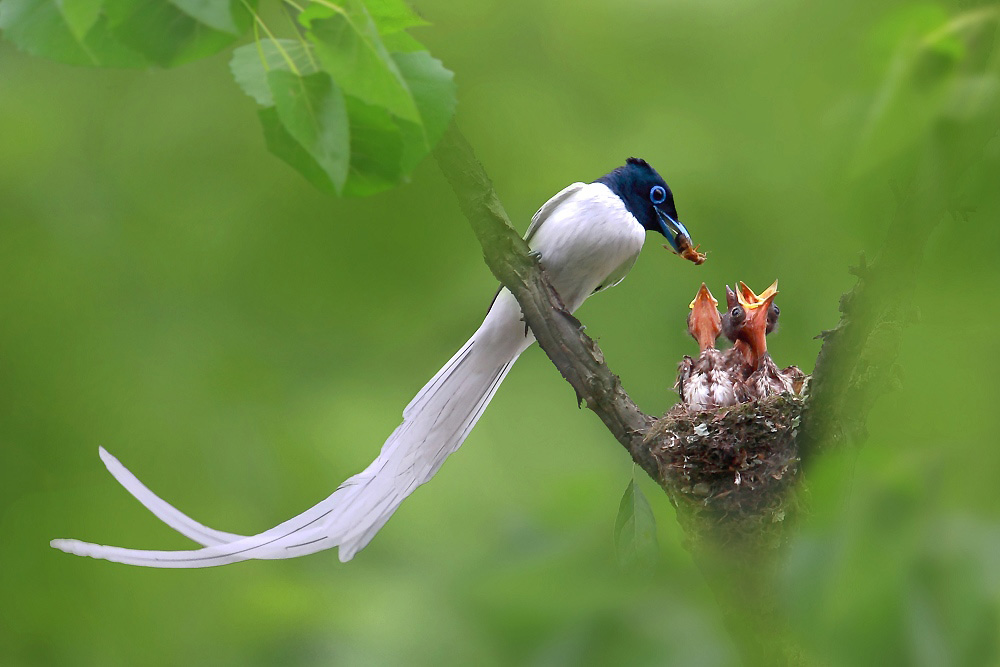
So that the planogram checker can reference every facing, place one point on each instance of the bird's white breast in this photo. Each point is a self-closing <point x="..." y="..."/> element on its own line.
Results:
<point x="588" y="237"/>
<point x="705" y="383"/>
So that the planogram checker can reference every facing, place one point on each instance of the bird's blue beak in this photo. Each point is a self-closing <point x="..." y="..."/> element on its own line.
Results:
<point x="676" y="233"/>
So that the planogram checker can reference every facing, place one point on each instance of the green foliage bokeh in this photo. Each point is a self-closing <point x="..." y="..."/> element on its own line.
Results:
<point x="171" y="291"/>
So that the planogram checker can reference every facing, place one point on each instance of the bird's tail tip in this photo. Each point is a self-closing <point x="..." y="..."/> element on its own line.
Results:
<point x="75" y="547"/>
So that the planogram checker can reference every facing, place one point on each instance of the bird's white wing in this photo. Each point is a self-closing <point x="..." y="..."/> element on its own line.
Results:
<point x="551" y="205"/>
<point x="541" y="215"/>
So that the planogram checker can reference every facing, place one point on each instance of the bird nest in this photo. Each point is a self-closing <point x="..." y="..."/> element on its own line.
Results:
<point x="732" y="472"/>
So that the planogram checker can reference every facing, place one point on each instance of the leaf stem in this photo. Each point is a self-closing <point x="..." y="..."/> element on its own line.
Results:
<point x="284" y="54"/>
<point x="330" y="5"/>
<point x="298" y="34"/>
<point x="260" y="49"/>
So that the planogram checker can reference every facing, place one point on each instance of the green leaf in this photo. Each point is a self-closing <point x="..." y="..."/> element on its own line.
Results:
<point x="163" y="32"/>
<point x="348" y="45"/>
<point x="401" y="42"/>
<point x="80" y="15"/>
<point x="313" y="112"/>
<point x="220" y="15"/>
<point x="393" y="15"/>
<point x="389" y="109"/>
<point x="251" y="63"/>
<point x="284" y="146"/>
<point x="433" y="89"/>
<point x="41" y="28"/>
<point x="376" y="150"/>
<point x="635" y="529"/>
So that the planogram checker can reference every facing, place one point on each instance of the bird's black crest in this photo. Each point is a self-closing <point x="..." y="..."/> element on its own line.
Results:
<point x="632" y="182"/>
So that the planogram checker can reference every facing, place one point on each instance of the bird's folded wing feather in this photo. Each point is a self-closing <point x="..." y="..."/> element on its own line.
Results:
<point x="541" y="215"/>
<point x="683" y="374"/>
<point x="551" y="205"/>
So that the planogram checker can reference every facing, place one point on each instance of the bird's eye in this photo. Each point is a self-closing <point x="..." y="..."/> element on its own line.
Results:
<point x="736" y="313"/>
<point x="657" y="194"/>
<point x="777" y="311"/>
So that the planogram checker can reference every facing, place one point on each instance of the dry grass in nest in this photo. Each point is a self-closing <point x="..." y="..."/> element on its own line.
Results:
<point x="733" y="469"/>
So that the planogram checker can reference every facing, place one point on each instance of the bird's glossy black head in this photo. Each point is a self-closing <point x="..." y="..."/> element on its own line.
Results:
<point x="649" y="199"/>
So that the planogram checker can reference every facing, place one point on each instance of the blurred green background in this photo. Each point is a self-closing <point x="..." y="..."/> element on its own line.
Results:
<point x="243" y="343"/>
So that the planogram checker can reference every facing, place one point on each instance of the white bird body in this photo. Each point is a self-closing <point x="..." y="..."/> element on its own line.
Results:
<point x="588" y="240"/>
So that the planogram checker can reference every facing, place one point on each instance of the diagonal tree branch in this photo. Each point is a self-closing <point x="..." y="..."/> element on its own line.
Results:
<point x="731" y="475"/>
<point x="559" y="334"/>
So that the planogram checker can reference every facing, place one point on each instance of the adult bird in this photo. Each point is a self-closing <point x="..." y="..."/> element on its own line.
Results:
<point x="588" y="236"/>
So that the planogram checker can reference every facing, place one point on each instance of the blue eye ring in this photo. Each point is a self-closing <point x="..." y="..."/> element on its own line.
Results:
<point x="657" y="194"/>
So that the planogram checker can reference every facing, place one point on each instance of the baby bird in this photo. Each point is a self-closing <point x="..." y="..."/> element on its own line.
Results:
<point x="747" y="322"/>
<point x="705" y="383"/>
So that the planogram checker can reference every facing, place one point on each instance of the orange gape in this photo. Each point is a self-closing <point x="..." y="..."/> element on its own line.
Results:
<point x="744" y="373"/>
<point x="751" y="341"/>
<point x="754" y="329"/>
<point x="704" y="322"/>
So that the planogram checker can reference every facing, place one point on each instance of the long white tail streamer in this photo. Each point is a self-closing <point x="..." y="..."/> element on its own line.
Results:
<point x="435" y="424"/>
<point x="588" y="241"/>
